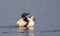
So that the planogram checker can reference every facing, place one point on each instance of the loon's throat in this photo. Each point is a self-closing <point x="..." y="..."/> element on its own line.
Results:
<point x="25" y="19"/>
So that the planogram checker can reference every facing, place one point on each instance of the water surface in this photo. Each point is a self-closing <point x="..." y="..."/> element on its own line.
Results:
<point x="46" y="12"/>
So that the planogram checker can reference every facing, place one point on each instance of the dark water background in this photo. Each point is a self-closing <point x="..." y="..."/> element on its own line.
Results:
<point x="46" y="12"/>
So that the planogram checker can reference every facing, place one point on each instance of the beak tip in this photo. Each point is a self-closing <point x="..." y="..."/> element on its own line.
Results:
<point x="28" y="13"/>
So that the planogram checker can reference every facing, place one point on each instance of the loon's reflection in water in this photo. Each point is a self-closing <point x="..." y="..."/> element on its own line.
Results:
<point x="25" y="31"/>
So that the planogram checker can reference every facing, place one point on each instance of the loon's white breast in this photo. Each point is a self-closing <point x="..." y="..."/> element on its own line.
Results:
<point x="31" y="21"/>
<point x="21" y="22"/>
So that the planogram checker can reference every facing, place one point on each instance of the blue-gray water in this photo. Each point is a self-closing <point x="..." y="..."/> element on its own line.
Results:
<point x="46" y="12"/>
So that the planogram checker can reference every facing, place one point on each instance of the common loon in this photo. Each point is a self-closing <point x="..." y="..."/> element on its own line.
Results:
<point x="24" y="21"/>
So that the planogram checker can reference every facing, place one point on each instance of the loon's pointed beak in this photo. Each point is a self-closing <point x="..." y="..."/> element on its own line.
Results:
<point x="24" y="14"/>
<point x="27" y="13"/>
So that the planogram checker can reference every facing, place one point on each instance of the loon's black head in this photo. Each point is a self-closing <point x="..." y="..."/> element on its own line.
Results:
<point x="24" y="14"/>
